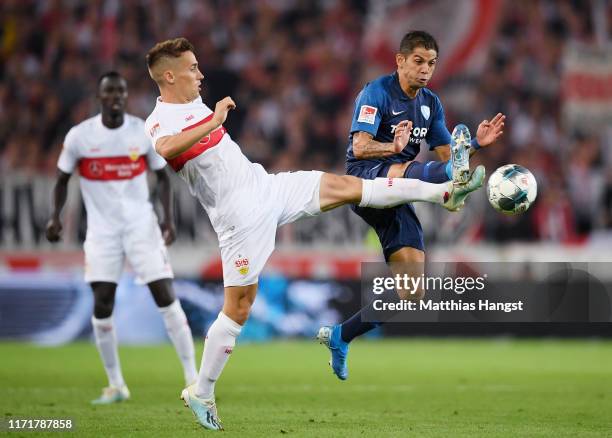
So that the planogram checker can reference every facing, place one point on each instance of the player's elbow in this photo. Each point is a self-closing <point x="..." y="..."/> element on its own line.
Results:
<point x="164" y="150"/>
<point x="358" y="151"/>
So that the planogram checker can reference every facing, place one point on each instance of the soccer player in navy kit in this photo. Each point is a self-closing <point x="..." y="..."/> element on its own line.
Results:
<point x="389" y="104"/>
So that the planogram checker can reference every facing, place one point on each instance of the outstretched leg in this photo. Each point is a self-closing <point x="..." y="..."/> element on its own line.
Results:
<point x="338" y="190"/>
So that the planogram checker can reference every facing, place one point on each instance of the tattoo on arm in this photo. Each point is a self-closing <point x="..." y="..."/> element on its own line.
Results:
<point x="376" y="149"/>
<point x="365" y="147"/>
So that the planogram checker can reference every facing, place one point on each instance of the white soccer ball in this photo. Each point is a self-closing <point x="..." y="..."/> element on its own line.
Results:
<point x="512" y="189"/>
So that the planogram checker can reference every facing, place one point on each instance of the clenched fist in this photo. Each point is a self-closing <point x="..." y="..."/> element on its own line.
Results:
<point x="222" y="108"/>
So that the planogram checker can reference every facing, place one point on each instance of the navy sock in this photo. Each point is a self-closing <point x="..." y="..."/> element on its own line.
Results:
<point x="433" y="171"/>
<point x="354" y="326"/>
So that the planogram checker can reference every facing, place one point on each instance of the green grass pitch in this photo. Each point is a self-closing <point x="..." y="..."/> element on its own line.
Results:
<point x="422" y="387"/>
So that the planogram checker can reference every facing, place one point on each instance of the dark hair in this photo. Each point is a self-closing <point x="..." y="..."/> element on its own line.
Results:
<point x="418" y="38"/>
<point x="109" y="74"/>
<point x="168" y="49"/>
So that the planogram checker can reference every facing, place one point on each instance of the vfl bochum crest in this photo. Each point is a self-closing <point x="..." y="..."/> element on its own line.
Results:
<point x="425" y="111"/>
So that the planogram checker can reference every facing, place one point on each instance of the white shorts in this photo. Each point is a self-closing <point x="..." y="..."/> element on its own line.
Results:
<point x="143" y="246"/>
<point x="293" y="196"/>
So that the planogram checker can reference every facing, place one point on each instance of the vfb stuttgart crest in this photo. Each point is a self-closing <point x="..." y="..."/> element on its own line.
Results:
<point x="242" y="265"/>
<point x="133" y="153"/>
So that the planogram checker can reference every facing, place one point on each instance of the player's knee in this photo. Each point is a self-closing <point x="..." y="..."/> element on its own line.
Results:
<point x="103" y="309"/>
<point x="351" y="187"/>
<point x="162" y="292"/>
<point x="104" y="299"/>
<point x="337" y="190"/>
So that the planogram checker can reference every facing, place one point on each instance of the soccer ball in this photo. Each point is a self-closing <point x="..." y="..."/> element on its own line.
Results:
<point x="512" y="189"/>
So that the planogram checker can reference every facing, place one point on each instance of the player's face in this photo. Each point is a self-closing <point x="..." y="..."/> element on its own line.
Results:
<point x="416" y="68"/>
<point x="113" y="94"/>
<point x="188" y="77"/>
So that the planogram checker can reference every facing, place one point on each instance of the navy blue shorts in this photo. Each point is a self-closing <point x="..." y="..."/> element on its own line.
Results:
<point x="396" y="227"/>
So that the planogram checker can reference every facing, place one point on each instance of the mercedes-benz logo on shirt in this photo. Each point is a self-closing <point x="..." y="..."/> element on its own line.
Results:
<point x="96" y="168"/>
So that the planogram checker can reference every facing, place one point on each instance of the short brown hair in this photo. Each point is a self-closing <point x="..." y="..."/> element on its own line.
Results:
<point x="168" y="49"/>
<point x="418" y="38"/>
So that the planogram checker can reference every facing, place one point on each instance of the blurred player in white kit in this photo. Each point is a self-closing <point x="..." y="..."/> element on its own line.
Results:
<point x="112" y="154"/>
<point x="245" y="204"/>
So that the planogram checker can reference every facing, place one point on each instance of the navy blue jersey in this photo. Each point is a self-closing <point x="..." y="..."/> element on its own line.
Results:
<point x="382" y="105"/>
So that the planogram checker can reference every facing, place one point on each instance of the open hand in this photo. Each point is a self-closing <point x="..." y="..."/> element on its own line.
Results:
<point x="402" y="135"/>
<point x="489" y="131"/>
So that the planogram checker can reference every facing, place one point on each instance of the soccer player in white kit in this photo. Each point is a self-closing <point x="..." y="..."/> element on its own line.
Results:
<point x="245" y="204"/>
<point x="112" y="154"/>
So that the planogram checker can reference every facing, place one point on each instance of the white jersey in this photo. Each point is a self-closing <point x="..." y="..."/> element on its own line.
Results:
<point x="112" y="164"/>
<point x="226" y="183"/>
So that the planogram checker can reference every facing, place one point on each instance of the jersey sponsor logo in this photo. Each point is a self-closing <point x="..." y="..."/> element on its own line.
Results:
<point x="96" y="169"/>
<point x="419" y="132"/>
<point x="242" y="265"/>
<point x="154" y="129"/>
<point x="229" y="350"/>
<point x="397" y="113"/>
<point x="189" y="117"/>
<point x="416" y="134"/>
<point x="198" y="148"/>
<point x="367" y="114"/>
<point x="425" y="111"/>
<point x="390" y="182"/>
<point x="112" y="168"/>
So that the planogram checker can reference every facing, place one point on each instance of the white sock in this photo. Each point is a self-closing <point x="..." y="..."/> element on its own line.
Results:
<point x="180" y="335"/>
<point x="219" y="344"/>
<point x="389" y="192"/>
<point x="106" y="341"/>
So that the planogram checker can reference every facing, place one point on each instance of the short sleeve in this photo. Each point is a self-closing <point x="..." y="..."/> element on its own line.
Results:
<point x="155" y="130"/>
<point x="438" y="134"/>
<point x="154" y="160"/>
<point x="368" y="108"/>
<point x="69" y="156"/>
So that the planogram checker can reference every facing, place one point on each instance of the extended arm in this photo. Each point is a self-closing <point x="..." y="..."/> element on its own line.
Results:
<point x="60" y="192"/>
<point x="365" y="147"/>
<point x="165" y="196"/>
<point x="173" y="145"/>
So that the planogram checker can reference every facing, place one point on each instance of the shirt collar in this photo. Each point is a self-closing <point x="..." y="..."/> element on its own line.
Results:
<point x="196" y="101"/>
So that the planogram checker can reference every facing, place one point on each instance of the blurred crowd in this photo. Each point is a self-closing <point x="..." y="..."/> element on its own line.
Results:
<point x="294" y="69"/>
<point x="573" y="167"/>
